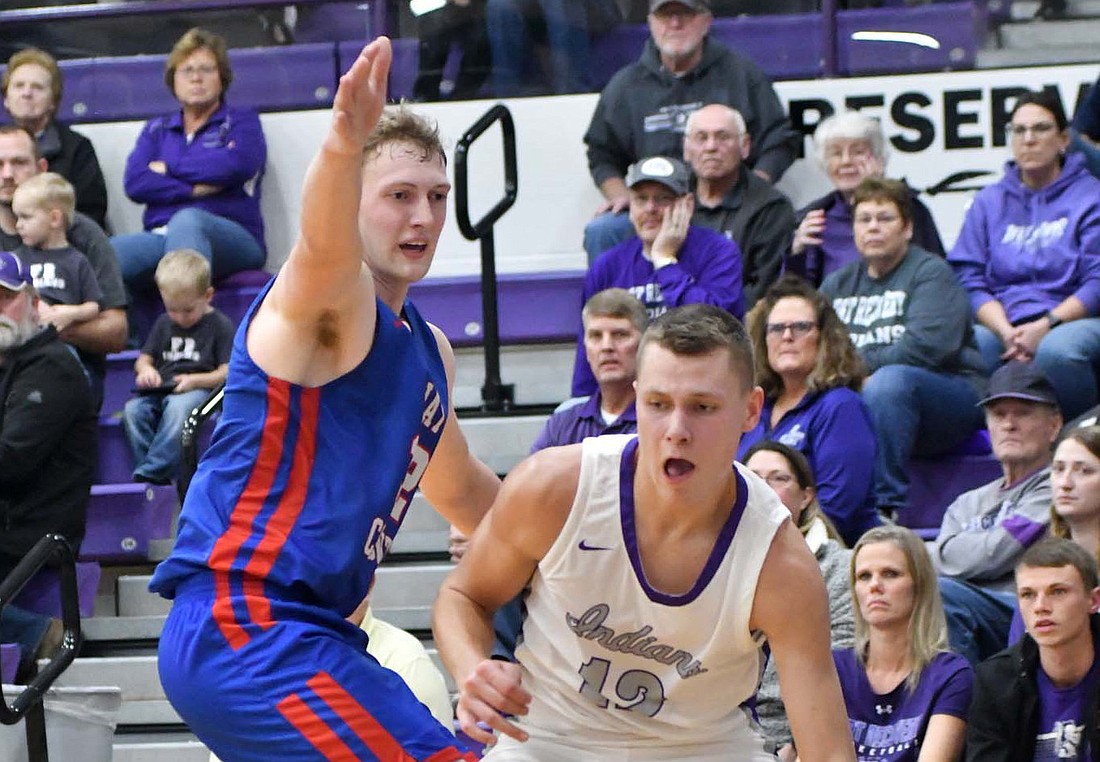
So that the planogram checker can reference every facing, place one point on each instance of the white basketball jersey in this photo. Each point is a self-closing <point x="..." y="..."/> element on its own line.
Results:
<point x="612" y="660"/>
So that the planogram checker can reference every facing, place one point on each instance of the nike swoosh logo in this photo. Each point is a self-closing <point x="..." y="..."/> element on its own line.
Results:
<point x="585" y="546"/>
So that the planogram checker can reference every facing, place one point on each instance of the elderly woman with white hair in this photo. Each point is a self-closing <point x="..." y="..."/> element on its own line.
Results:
<point x="850" y="147"/>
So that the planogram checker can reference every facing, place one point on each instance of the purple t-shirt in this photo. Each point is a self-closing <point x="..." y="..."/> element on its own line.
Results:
<point x="1061" y="733"/>
<point x="890" y="727"/>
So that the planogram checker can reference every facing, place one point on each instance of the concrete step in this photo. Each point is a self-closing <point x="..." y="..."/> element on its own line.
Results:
<point x="1024" y="10"/>
<point x="149" y="713"/>
<point x="1053" y="35"/>
<point x="502" y="442"/>
<point x="402" y="596"/>
<point x="114" y="629"/>
<point x="135" y="675"/>
<point x="159" y="747"/>
<point x="1010" y="57"/>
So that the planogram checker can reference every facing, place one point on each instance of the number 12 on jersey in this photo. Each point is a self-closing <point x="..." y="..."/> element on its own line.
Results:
<point x="638" y="690"/>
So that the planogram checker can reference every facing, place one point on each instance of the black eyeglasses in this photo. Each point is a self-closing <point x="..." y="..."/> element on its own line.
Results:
<point x="798" y="328"/>
<point x="1021" y="130"/>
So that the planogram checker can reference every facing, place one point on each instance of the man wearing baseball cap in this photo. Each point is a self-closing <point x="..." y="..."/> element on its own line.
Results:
<point x="47" y="444"/>
<point x="986" y="531"/>
<point x="643" y="109"/>
<point x="668" y="262"/>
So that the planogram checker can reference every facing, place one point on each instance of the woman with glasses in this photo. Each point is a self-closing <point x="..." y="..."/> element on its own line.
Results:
<point x="787" y="471"/>
<point x="197" y="170"/>
<point x="906" y="694"/>
<point x="850" y="147"/>
<point x="811" y="375"/>
<point x="1029" y="256"/>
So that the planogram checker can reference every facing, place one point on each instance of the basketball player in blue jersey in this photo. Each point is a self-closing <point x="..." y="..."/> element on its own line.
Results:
<point x="337" y="407"/>
<point x="656" y="568"/>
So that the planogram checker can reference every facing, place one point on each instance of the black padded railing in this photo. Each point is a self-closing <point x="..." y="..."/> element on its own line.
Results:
<point x="189" y="439"/>
<point x="495" y="396"/>
<point x="52" y="549"/>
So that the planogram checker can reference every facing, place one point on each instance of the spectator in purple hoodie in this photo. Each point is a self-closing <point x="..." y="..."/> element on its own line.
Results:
<point x="197" y="171"/>
<point x="1029" y="257"/>
<point x="811" y="375"/>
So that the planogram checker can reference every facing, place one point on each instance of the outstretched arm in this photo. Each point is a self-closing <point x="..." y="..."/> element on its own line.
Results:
<point x="323" y="300"/>
<point x="526" y="518"/>
<point x="456" y="483"/>
<point x="791" y="581"/>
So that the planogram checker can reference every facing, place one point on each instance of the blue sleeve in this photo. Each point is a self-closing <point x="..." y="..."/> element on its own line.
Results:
<point x="241" y="158"/>
<point x="970" y="256"/>
<point x="142" y="184"/>
<point x="844" y="448"/>
<point x="715" y="262"/>
<point x="954" y="697"/>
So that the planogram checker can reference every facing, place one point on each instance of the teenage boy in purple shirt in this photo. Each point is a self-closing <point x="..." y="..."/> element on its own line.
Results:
<point x="1038" y="699"/>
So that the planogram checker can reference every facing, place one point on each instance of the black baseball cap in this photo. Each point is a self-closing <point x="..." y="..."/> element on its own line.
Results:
<point x="1021" y="381"/>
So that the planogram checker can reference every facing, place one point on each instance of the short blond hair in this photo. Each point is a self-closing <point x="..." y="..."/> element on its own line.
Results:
<point x="400" y="124"/>
<point x="183" y="271"/>
<point x="49" y="191"/>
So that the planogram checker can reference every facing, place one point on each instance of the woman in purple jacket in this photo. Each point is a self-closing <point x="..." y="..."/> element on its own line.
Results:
<point x="197" y="171"/>
<point x="1029" y="257"/>
<point x="811" y="376"/>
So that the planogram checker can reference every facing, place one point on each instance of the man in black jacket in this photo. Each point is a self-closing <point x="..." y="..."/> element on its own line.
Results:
<point x="32" y="94"/>
<point x="47" y="440"/>
<point x="734" y="201"/>
<point x="1038" y="699"/>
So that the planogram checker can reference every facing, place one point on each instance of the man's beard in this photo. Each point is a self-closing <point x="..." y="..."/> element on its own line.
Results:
<point x="16" y="333"/>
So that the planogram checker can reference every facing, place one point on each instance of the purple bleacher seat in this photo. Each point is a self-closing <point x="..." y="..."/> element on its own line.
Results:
<point x="934" y="483"/>
<point x="43" y="593"/>
<point x="532" y="307"/>
<point x="9" y="662"/>
<point x="785" y="47"/>
<point x="285" y="77"/>
<point x="123" y="518"/>
<point x="127" y="87"/>
<point x="119" y="381"/>
<point x="335" y="22"/>
<point x="265" y="79"/>
<point x="946" y="36"/>
<point x="115" y="461"/>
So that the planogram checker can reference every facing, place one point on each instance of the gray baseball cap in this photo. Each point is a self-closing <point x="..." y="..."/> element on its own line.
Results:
<point x="667" y="171"/>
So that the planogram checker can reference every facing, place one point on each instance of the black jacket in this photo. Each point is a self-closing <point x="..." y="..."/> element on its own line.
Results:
<point x="47" y="445"/>
<point x="1004" y="712"/>
<point x="760" y="220"/>
<point x="72" y="156"/>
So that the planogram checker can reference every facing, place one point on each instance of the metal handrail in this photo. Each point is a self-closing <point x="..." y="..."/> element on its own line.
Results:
<point x="494" y="394"/>
<point x="50" y="549"/>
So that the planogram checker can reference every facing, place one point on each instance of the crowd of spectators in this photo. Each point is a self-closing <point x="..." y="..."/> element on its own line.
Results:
<point x="873" y="344"/>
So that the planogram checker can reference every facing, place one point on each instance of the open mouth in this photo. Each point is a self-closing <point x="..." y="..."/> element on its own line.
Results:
<point x="678" y="468"/>
<point x="414" y="248"/>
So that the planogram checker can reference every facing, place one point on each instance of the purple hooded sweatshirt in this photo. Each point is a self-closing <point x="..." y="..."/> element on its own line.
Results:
<point x="1031" y="249"/>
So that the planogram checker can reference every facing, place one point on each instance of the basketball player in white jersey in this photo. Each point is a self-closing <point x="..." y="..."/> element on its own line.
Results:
<point x="657" y="568"/>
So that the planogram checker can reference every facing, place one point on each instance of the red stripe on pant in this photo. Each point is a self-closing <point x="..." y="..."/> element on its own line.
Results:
<point x="314" y="729"/>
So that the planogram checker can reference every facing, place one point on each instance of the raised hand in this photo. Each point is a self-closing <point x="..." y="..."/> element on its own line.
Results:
<point x="360" y="99"/>
<point x="674" y="228"/>
<point x="809" y="231"/>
